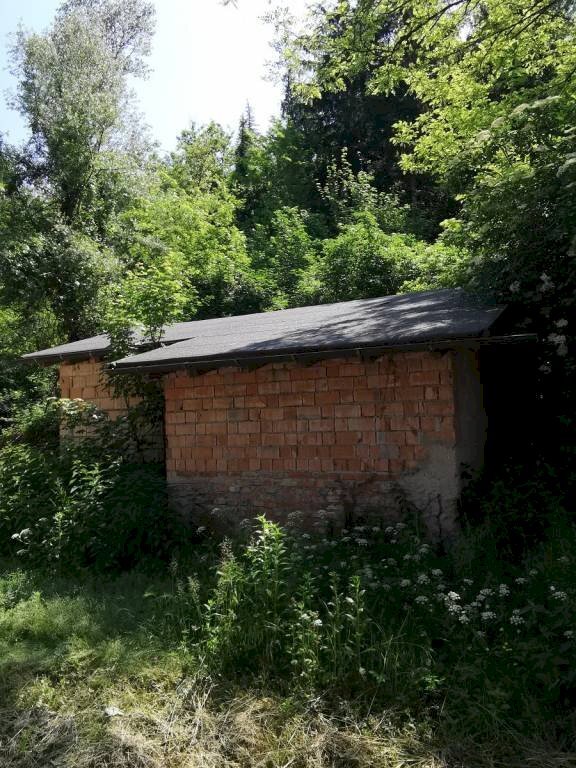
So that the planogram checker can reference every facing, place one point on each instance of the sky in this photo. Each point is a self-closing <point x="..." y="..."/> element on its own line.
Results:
<point x="208" y="62"/>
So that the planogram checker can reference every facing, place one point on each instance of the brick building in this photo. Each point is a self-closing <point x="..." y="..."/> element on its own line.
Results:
<point x="335" y="413"/>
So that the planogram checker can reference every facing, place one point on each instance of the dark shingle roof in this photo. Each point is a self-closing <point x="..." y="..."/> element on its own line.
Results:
<point x="389" y="321"/>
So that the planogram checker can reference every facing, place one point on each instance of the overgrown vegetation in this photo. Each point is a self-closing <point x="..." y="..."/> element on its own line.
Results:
<point x="371" y="639"/>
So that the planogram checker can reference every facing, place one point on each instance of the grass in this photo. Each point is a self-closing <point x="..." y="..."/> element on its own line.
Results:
<point x="113" y="672"/>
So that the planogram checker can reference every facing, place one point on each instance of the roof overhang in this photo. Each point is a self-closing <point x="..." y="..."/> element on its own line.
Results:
<point x="257" y="359"/>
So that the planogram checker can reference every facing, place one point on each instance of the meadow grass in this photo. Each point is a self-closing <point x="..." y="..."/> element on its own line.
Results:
<point x="291" y="651"/>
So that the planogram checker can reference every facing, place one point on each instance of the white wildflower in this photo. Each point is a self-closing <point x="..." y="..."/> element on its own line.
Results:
<point x="422" y="579"/>
<point x="421" y="599"/>
<point x="503" y="590"/>
<point x="317" y="622"/>
<point x="558" y="595"/>
<point x="452" y="596"/>
<point x="405" y="583"/>
<point x="436" y="572"/>
<point x="487" y="615"/>
<point x="520" y="580"/>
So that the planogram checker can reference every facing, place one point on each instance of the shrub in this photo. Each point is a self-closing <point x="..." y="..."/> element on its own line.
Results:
<point x="380" y="616"/>
<point x="86" y="503"/>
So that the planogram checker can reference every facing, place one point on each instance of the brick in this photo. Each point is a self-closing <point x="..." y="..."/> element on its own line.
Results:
<point x="308" y="412"/>
<point x="321" y="425"/>
<point x="269" y="452"/>
<point x="431" y="377"/>
<point x="237" y="414"/>
<point x="413" y="407"/>
<point x="225" y="402"/>
<point x="254" y="401"/>
<point x="248" y="427"/>
<point x="327" y="398"/>
<point x="312" y="438"/>
<point x="347" y="411"/>
<point x="439" y="408"/>
<point x="269" y="388"/>
<point x="285" y="426"/>
<point x="367" y="395"/>
<point x="273" y="414"/>
<point x="290" y="398"/>
<point x="300" y="387"/>
<point x="347" y="438"/>
<point x="352" y="369"/>
<point x="437" y="361"/>
<point x="362" y="424"/>
<point x="216" y="428"/>
<point x="410" y="393"/>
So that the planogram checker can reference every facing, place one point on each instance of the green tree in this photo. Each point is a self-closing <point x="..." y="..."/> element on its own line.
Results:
<point x="82" y="164"/>
<point x="284" y="251"/>
<point x="73" y="92"/>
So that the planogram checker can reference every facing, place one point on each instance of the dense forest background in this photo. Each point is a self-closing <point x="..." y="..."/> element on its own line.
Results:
<point x="422" y="144"/>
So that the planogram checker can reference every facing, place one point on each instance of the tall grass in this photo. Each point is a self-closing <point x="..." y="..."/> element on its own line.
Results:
<point x="287" y="645"/>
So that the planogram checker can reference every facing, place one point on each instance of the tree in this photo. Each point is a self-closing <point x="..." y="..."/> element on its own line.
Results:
<point x="497" y="82"/>
<point x="73" y="91"/>
<point x="342" y="119"/>
<point x="284" y="250"/>
<point x="80" y="168"/>
<point x="203" y="160"/>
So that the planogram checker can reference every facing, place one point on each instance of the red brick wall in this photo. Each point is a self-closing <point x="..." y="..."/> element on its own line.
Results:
<point x="86" y="380"/>
<point x="337" y="436"/>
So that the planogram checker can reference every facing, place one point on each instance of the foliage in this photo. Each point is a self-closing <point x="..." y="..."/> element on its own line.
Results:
<point x="374" y="629"/>
<point x="284" y="250"/>
<point x="83" y="502"/>
<point x="363" y="261"/>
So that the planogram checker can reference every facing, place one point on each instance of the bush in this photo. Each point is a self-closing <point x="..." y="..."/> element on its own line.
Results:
<point x="85" y="503"/>
<point x="380" y="616"/>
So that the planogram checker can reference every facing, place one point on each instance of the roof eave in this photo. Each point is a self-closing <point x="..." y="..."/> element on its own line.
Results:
<point x="311" y="355"/>
<point x="63" y="357"/>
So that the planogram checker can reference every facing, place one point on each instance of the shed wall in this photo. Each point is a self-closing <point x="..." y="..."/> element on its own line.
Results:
<point x="88" y="381"/>
<point x="329" y="444"/>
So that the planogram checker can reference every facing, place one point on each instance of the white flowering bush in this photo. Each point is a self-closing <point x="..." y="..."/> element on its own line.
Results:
<point x="379" y="613"/>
